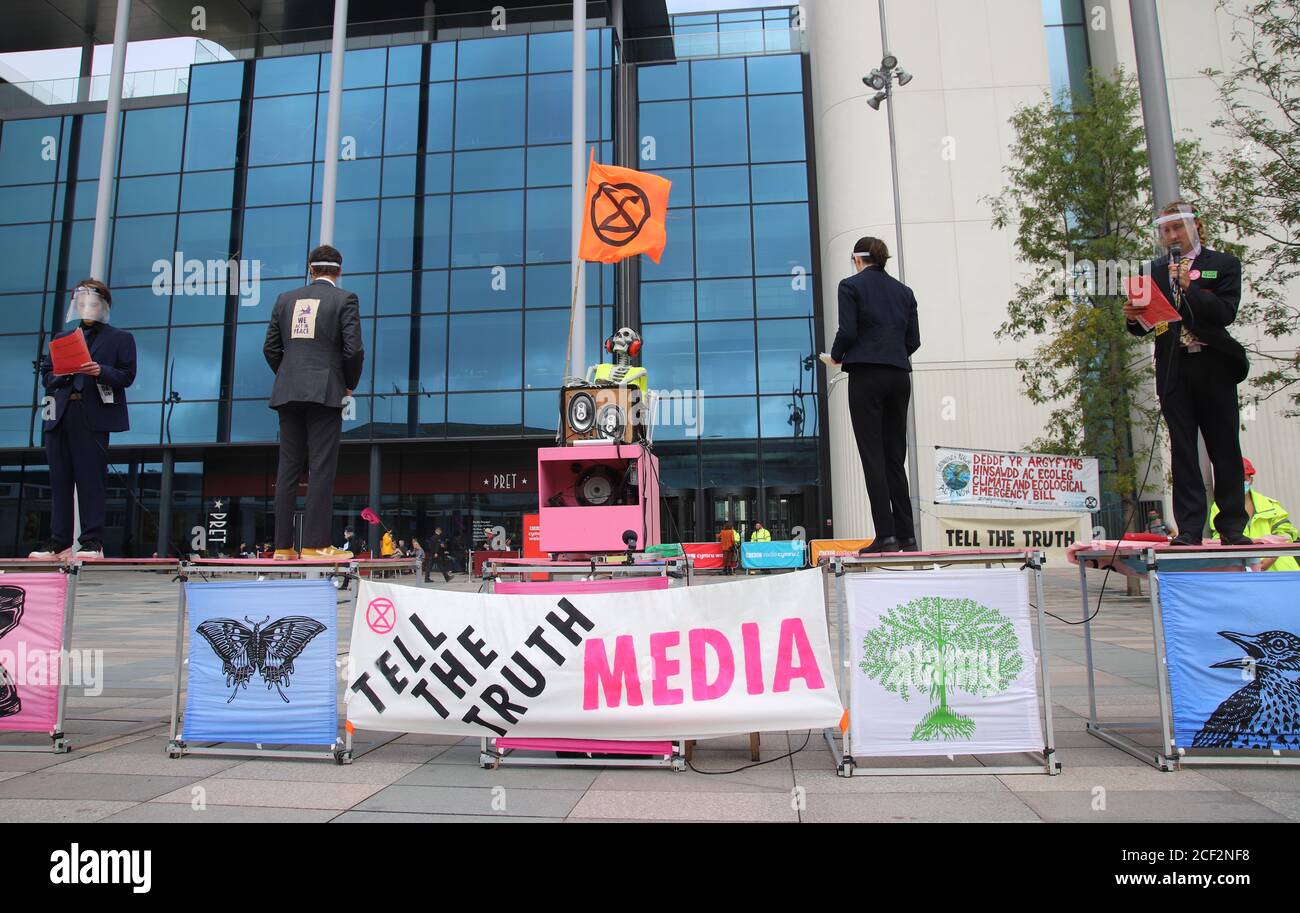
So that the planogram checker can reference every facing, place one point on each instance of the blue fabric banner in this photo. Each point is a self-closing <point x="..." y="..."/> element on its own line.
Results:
<point x="262" y="662"/>
<point x="792" y="553"/>
<point x="1233" y="644"/>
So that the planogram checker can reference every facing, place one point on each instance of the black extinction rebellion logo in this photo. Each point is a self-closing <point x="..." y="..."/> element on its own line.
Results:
<point x="614" y="218"/>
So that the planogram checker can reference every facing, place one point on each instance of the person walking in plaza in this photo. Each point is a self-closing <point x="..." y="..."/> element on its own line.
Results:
<point x="313" y="344"/>
<point x="1198" y="368"/>
<point x="435" y="554"/>
<point x="877" y="336"/>
<point x="88" y="405"/>
<point x="729" y="539"/>
<point x="1267" y="518"/>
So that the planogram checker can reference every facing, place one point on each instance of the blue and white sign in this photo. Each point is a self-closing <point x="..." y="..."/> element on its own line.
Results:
<point x="1233" y="645"/>
<point x="262" y="662"/>
<point x="766" y="555"/>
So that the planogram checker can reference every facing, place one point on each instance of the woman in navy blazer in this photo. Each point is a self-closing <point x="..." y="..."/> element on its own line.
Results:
<point x="81" y="409"/>
<point x="877" y="335"/>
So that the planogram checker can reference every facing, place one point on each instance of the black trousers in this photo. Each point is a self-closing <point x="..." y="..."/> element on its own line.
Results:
<point x="78" y="457"/>
<point x="309" y="440"/>
<point x="1202" y="396"/>
<point x="878" y="397"/>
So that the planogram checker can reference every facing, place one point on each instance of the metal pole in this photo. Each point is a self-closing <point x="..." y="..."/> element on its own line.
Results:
<point x="165" y="505"/>
<point x="333" y="112"/>
<point x="578" y="349"/>
<point x="108" y="152"/>
<point x="913" y="465"/>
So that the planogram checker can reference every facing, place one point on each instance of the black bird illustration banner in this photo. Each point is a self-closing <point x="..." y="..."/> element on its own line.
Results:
<point x="1233" y="643"/>
<point x="31" y="650"/>
<point x="262" y="662"/>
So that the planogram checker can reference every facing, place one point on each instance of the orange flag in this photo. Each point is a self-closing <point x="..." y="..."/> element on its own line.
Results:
<point x="624" y="213"/>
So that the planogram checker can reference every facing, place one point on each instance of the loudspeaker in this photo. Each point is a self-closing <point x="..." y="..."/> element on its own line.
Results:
<point x="593" y="413"/>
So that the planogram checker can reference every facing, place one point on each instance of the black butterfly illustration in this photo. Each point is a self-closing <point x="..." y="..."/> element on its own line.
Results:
<point x="269" y="650"/>
<point x="12" y="599"/>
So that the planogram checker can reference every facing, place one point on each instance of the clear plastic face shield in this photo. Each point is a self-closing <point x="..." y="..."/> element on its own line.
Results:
<point x="86" y="304"/>
<point x="1177" y="229"/>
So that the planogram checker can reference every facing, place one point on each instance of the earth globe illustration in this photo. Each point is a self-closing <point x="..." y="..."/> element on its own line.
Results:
<point x="956" y="475"/>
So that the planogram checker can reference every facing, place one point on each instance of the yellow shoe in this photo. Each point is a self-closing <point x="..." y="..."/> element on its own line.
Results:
<point x="285" y="554"/>
<point x="328" y="553"/>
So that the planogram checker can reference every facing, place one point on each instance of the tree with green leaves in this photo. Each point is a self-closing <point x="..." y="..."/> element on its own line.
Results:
<point x="938" y="645"/>
<point x="1078" y="198"/>
<point x="1257" y="179"/>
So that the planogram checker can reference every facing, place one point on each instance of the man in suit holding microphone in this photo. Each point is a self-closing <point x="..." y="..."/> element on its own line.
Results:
<point x="313" y="344"/>
<point x="1198" y="367"/>
<point x="88" y="404"/>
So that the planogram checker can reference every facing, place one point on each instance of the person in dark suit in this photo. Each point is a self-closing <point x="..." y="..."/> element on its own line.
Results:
<point x="313" y="344"/>
<point x="435" y="555"/>
<point x="877" y="335"/>
<point x="86" y="407"/>
<point x="1198" y="367"/>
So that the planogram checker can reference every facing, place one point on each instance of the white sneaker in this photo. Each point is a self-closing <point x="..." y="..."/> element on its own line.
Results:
<point x="49" y="552"/>
<point x="84" y="554"/>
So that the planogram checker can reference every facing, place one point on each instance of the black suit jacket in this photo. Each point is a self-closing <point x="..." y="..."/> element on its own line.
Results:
<point x="114" y="351"/>
<point x="313" y="344"/>
<point x="878" y="323"/>
<point x="1209" y="306"/>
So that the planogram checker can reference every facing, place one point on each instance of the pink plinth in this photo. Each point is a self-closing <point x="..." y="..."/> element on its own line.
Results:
<point x="574" y="528"/>
<point x="603" y="746"/>
<point x="579" y="587"/>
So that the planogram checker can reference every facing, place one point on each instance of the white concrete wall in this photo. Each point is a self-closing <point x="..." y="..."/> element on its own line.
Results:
<point x="974" y="62"/>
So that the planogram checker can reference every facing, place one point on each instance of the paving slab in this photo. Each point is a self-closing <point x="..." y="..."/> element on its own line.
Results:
<point x="62" y="811"/>
<point x="545" y="803"/>
<point x="273" y="793"/>
<point x="614" y="805"/>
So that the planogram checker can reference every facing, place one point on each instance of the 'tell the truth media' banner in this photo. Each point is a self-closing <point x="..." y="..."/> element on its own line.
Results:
<point x="1052" y="534"/>
<point x="1029" y="481"/>
<point x="688" y="662"/>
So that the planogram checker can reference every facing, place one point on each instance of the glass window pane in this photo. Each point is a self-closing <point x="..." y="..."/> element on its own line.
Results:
<point x="399" y="175"/>
<point x="781" y="239"/>
<point x="204" y="236"/>
<point x="437" y="231"/>
<point x="150" y="370"/>
<point x="16" y="427"/>
<point x="358" y="179"/>
<point x="470" y="367"/>
<point x="727" y="357"/>
<point x="551" y="51"/>
<point x="253" y="421"/>
<point x="437" y="173"/>
<point x="194" y="362"/>
<point x="253" y="376"/>
<point x="18" y="351"/>
<point x="397" y="234"/>
<point x="492" y="289"/>
<point x="21" y="313"/>
<point x="442" y="60"/>
<point x="663" y="81"/>
<point x="784" y="297"/>
<point x="548" y="165"/>
<point x="541" y="411"/>
<point x="92" y="142"/>
<point x="667" y="301"/>
<point x="548" y="286"/>
<point x="492" y="56"/>
<point x="547" y="334"/>
<point x="151" y="143"/>
<point x="442" y="98"/>
<point x="33" y="202"/>
<point x="356" y="228"/>
<point x="720" y="130"/>
<point x="286" y="75"/>
<point x="207" y="190"/>
<point x="393" y="293"/>
<point x="401" y="120"/>
<point x="433" y="292"/>
<point x="278" y="184"/>
<point x="433" y="354"/>
<point x="283" y="130"/>
<point x="487" y="229"/>
<point x="392" y="355"/>
<point x="137" y="243"/>
<point x="137" y="196"/>
<point x="190" y="423"/>
<point x="483" y="413"/>
<point x="779" y="183"/>
<point x="777" y="73"/>
<point x="549" y="225"/>
<point x="255" y="303"/>
<point x="1058" y="12"/>
<point x="30" y="150"/>
<point x="787" y="416"/>
<point x="216" y="81"/>
<point x="496" y="169"/>
<point x="489" y="113"/>
<point x="729" y="417"/>
<point x="277" y="237"/>
<point x="718" y="77"/>
<point x="724" y="298"/>
<point x="665" y="130"/>
<point x="669" y="355"/>
<point x="211" y="136"/>
<point x="361" y="124"/>
<point x="145" y="420"/>
<point x="678" y="261"/>
<point x="723" y="241"/>
<point x="404" y="64"/>
<point x="139" y="307"/>
<point x="715" y="186"/>
<point x="768" y="144"/>
<point x="362" y="68"/>
<point x="782" y="347"/>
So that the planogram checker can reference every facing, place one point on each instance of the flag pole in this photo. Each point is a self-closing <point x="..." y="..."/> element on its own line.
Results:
<point x="573" y="303"/>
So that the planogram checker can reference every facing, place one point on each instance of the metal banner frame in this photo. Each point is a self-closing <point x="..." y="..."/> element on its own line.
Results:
<point x="1169" y="756"/>
<point x="59" y="743"/>
<point x="341" y="751"/>
<point x="841" y="750"/>
<point x="489" y="756"/>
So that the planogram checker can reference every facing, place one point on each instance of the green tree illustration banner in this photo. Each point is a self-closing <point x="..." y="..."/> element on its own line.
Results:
<point x="942" y="663"/>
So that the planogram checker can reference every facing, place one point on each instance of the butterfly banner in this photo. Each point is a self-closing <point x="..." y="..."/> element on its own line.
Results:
<point x="685" y="662"/>
<point x="31" y="650"/>
<point x="1232" y="645"/>
<point x="942" y="663"/>
<point x="262" y="662"/>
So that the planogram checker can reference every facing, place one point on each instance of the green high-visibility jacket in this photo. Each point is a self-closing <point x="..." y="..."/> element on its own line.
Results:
<point x="1270" y="518"/>
<point x="761" y="535"/>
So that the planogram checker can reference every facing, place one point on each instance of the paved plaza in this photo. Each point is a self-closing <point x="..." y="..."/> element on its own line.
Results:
<point x="119" y="771"/>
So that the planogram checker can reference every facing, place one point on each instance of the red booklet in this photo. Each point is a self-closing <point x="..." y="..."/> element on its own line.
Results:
<point x="68" y="353"/>
<point x="1156" y="309"/>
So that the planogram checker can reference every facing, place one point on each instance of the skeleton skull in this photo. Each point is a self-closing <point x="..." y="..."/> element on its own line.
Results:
<point x="622" y="341"/>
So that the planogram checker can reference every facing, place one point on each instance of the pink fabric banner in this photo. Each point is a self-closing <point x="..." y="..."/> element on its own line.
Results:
<point x="572" y="587"/>
<point x="31" y="650"/>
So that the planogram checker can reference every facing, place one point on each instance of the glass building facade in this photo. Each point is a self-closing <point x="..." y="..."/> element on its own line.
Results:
<point x="453" y="217"/>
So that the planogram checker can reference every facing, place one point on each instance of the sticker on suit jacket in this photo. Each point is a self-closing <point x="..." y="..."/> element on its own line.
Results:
<point x="304" y="318"/>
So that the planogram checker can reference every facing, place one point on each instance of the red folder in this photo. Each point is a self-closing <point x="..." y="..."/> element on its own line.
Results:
<point x="1156" y="309"/>
<point x="69" y="353"/>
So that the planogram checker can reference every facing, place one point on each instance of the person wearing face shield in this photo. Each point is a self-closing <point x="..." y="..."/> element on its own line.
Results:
<point x="1198" y="367"/>
<point x="87" y="406"/>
